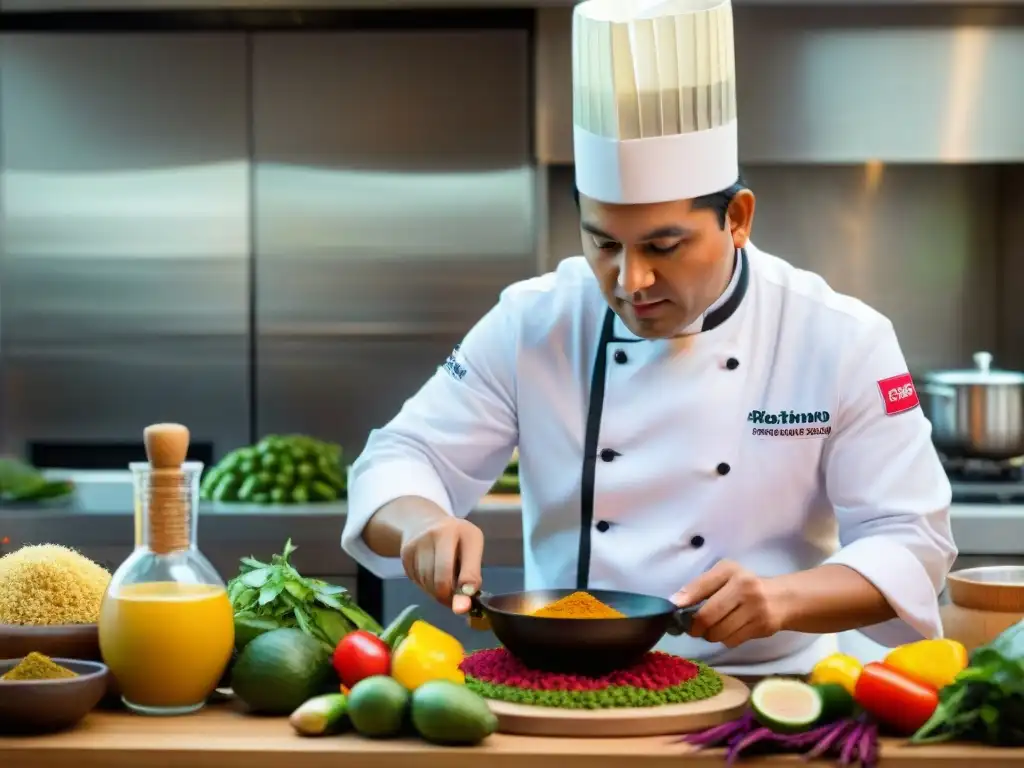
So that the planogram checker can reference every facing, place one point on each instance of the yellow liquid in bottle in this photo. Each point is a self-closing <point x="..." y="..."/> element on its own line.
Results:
<point x="167" y="644"/>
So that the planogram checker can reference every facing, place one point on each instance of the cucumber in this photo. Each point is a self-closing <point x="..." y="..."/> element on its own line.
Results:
<point x="209" y="481"/>
<point x="249" y="487"/>
<point x="321" y="715"/>
<point x="399" y="628"/>
<point x="321" y="492"/>
<point x="785" y="705"/>
<point x="279" y="469"/>
<point x="227" y="488"/>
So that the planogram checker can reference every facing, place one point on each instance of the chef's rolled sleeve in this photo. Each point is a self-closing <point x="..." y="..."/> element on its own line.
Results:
<point x="890" y="492"/>
<point x="450" y="440"/>
<point x="371" y="486"/>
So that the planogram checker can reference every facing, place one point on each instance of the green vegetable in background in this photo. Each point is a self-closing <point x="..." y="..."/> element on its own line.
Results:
<point x="508" y="482"/>
<point x="22" y="482"/>
<point x="274" y="595"/>
<point x="279" y="469"/>
<point x="986" y="701"/>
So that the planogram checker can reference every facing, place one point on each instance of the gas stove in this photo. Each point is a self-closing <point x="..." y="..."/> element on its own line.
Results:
<point x="982" y="481"/>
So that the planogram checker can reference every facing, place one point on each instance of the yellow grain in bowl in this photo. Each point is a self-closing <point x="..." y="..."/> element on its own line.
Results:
<point x="48" y="584"/>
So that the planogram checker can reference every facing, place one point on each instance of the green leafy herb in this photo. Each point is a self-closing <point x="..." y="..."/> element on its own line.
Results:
<point x="22" y="482"/>
<point x="272" y="595"/>
<point x="986" y="701"/>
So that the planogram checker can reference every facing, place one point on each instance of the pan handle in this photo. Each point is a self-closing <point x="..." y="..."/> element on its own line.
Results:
<point x="477" y="610"/>
<point x="682" y="619"/>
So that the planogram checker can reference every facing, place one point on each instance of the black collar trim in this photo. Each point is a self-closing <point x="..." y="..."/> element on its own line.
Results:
<point x="595" y="408"/>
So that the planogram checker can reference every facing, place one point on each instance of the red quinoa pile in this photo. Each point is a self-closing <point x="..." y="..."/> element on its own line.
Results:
<point x="658" y="679"/>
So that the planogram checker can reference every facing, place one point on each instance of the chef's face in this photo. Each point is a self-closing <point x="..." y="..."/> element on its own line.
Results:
<point x="661" y="265"/>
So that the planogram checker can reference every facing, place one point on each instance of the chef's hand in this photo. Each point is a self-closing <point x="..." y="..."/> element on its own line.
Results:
<point x="740" y="605"/>
<point x="444" y="559"/>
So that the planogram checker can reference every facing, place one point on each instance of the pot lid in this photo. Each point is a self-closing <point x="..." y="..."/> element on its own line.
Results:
<point x="982" y="373"/>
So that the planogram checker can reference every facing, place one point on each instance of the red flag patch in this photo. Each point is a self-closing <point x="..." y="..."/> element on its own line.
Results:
<point x="898" y="394"/>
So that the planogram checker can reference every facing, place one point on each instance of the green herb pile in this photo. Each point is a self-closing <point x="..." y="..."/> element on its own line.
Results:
<point x="279" y="469"/>
<point x="268" y="596"/>
<point x="22" y="482"/>
<point x="986" y="701"/>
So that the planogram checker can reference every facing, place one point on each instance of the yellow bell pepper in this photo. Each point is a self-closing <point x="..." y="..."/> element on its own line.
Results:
<point x="837" y="669"/>
<point x="933" y="662"/>
<point x="427" y="654"/>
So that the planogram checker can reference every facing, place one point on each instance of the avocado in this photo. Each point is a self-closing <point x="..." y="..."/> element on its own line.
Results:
<point x="377" y="706"/>
<point x="444" y="712"/>
<point x="248" y="628"/>
<point x="280" y="670"/>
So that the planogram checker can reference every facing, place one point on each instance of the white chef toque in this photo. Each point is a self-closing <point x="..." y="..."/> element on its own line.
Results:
<point x="654" y="99"/>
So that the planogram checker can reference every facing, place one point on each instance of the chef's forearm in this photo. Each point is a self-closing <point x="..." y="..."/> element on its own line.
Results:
<point x="396" y="520"/>
<point x="829" y="598"/>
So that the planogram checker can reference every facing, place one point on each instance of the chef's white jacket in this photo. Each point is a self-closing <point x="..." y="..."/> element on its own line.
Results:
<point x="787" y="420"/>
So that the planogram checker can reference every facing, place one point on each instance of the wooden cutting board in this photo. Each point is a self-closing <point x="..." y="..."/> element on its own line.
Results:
<point x="693" y="716"/>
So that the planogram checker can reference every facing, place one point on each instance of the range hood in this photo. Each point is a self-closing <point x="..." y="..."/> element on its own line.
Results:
<point x="844" y="85"/>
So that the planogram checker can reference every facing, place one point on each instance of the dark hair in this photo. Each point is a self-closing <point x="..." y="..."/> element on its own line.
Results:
<point x="717" y="201"/>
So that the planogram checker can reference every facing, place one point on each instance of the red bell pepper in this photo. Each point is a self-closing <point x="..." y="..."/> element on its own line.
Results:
<point x="894" y="699"/>
<point x="360" y="655"/>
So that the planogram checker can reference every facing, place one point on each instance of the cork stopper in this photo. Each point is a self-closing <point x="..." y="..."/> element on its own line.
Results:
<point x="169" y="513"/>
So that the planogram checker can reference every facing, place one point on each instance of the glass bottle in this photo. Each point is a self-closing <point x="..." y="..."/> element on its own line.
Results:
<point x="166" y="626"/>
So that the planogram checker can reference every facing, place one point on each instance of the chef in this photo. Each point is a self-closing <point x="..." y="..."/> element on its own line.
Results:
<point x="696" y="419"/>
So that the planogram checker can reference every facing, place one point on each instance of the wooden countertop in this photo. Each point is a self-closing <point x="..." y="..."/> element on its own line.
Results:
<point x="220" y="737"/>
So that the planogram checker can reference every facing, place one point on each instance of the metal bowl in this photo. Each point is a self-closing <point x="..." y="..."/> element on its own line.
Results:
<point x="581" y="646"/>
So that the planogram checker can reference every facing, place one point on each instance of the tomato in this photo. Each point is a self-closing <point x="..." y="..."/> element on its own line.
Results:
<point x="896" y="700"/>
<point x="360" y="655"/>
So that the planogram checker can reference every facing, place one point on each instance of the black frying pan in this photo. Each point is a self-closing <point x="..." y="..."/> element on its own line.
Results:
<point x="581" y="646"/>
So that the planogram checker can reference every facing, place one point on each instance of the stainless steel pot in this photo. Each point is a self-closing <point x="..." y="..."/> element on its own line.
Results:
<point x="976" y="414"/>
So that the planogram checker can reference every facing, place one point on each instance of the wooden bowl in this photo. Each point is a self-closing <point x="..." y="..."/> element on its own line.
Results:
<point x="69" y="641"/>
<point x="986" y="602"/>
<point x="997" y="588"/>
<point x="47" y="706"/>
